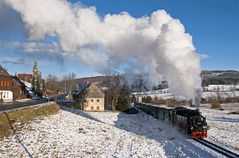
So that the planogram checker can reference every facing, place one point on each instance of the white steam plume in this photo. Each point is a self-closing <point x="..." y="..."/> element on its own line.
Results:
<point x="157" y="41"/>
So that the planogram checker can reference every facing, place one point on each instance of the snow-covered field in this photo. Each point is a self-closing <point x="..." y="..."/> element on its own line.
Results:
<point x="207" y="95"/>
<point x="165" y="94"/>
<point x="74" y="133"/>
<point x="224" y="127"/>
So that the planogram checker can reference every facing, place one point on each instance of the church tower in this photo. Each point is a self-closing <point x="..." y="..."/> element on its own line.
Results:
<point x="35" y="78"/>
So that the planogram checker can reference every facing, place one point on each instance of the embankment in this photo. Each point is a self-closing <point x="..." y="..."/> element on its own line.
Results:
<point x="24" y="115"/>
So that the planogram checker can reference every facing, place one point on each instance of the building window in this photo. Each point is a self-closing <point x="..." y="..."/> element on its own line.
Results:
<point x="98" y="108"/>
<point x="1" y="83"/>
<point x="92" y="100"/>
<point x="98" y="100"/>
<point x="92" y="107"/>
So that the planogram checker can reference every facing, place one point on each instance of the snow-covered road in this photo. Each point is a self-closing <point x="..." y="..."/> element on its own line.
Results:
<point x="74" y="133"/>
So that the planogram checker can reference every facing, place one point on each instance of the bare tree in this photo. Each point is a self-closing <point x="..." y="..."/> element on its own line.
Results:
<point x="69" y="83"/>
<point x="112" y="81"/>
<point x="52" y="83"/>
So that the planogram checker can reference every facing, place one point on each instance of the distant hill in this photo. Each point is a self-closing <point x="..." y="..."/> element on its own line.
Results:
<point x="85" y="80"/>
<point x="101" y="79"/>
<point x="220" y="77"/>
<point x="137" y="83"/>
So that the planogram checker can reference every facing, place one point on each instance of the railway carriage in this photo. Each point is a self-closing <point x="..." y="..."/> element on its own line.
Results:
<point x="191" y="120"/>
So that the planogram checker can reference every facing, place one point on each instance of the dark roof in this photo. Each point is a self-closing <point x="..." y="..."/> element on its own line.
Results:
<point x="25" y="76"/>
<point x="17" y="80"/>
<point x="81" y="87"/>
<point x="3" y="72"/>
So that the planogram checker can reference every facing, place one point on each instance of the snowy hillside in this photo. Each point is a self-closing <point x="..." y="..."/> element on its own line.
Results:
<point x="206" y="95"/>
<point x="224" y="91"/>
<point x="221" y="88"/>
<point x="74" y="133"/>
<point x="224" y="127"/>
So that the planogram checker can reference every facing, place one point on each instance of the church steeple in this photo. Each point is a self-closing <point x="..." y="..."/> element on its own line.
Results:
<point x="35" y="66"/>
<point x="35" y="79"/>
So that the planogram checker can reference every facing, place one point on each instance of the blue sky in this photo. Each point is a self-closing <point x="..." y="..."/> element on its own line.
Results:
<point x="213" y="24"/>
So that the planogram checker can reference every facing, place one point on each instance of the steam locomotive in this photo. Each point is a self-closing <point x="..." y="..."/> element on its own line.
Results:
<point x="191" y="120"/>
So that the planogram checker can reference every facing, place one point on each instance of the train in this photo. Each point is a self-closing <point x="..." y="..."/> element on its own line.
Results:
<point x="192" y="121"/>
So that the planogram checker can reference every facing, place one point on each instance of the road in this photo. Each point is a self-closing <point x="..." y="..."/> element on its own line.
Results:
<point x="17" y="105"/>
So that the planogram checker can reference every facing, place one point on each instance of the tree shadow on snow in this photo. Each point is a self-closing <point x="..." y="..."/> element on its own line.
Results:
<point x="173" y="140"/>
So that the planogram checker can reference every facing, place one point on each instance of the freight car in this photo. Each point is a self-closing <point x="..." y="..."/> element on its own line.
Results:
<point x="191" y="120"/>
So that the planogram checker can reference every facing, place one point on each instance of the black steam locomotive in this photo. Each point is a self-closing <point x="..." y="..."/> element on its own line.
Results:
<point x="191" y="120"/>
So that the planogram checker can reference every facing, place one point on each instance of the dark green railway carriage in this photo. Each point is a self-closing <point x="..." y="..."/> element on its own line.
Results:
<point x="158" y="112"/>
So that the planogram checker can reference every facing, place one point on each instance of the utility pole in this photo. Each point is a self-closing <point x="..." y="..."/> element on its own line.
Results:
<point x="65" y="86"/>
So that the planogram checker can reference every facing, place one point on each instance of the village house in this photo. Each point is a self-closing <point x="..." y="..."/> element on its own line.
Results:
<point x="10" y="87"/>
<point x="90" y="97"/>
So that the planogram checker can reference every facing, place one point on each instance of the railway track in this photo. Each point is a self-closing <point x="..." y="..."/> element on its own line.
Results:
<point x="218" y="148"/>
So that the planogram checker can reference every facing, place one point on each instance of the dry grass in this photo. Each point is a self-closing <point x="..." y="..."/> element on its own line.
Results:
<point x="5" y="128"/>
<point x="236" y="112"/>
<point x="170" y="102"/>
<point x="24" y="116"/>
<point x="216" y="105"/>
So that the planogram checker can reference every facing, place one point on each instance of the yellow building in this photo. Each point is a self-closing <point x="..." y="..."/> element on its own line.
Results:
<point x="91" y="98"/>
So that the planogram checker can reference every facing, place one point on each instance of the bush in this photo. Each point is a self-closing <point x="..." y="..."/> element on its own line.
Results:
<point x="122" y="104"/>
<point x="215" y="104"/>
<point x="147" y="99"/>
<point x="123" y="100"/>
<point x="159" y="101"/>
<point x="170" y="102"/>
<point x="236" y="112"/>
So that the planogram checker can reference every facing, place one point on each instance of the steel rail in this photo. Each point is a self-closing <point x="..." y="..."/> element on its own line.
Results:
<point x="218" y="148"/>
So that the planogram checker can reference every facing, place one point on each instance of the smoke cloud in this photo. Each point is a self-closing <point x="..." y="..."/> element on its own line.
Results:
<point x="157" y="42"/>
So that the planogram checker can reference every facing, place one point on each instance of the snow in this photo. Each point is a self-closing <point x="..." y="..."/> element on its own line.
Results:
<point x="224" y="127"/>
<point x="219" y="87"/>
<point x="23" y="100"/>
<point x="206" y="95"/>
<point x="223" y="91"/>
<point x="27" y="84"/>
<point x="75" y="133"/>
<point x="29" y="89"/>
<point x="161" y="91"/>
